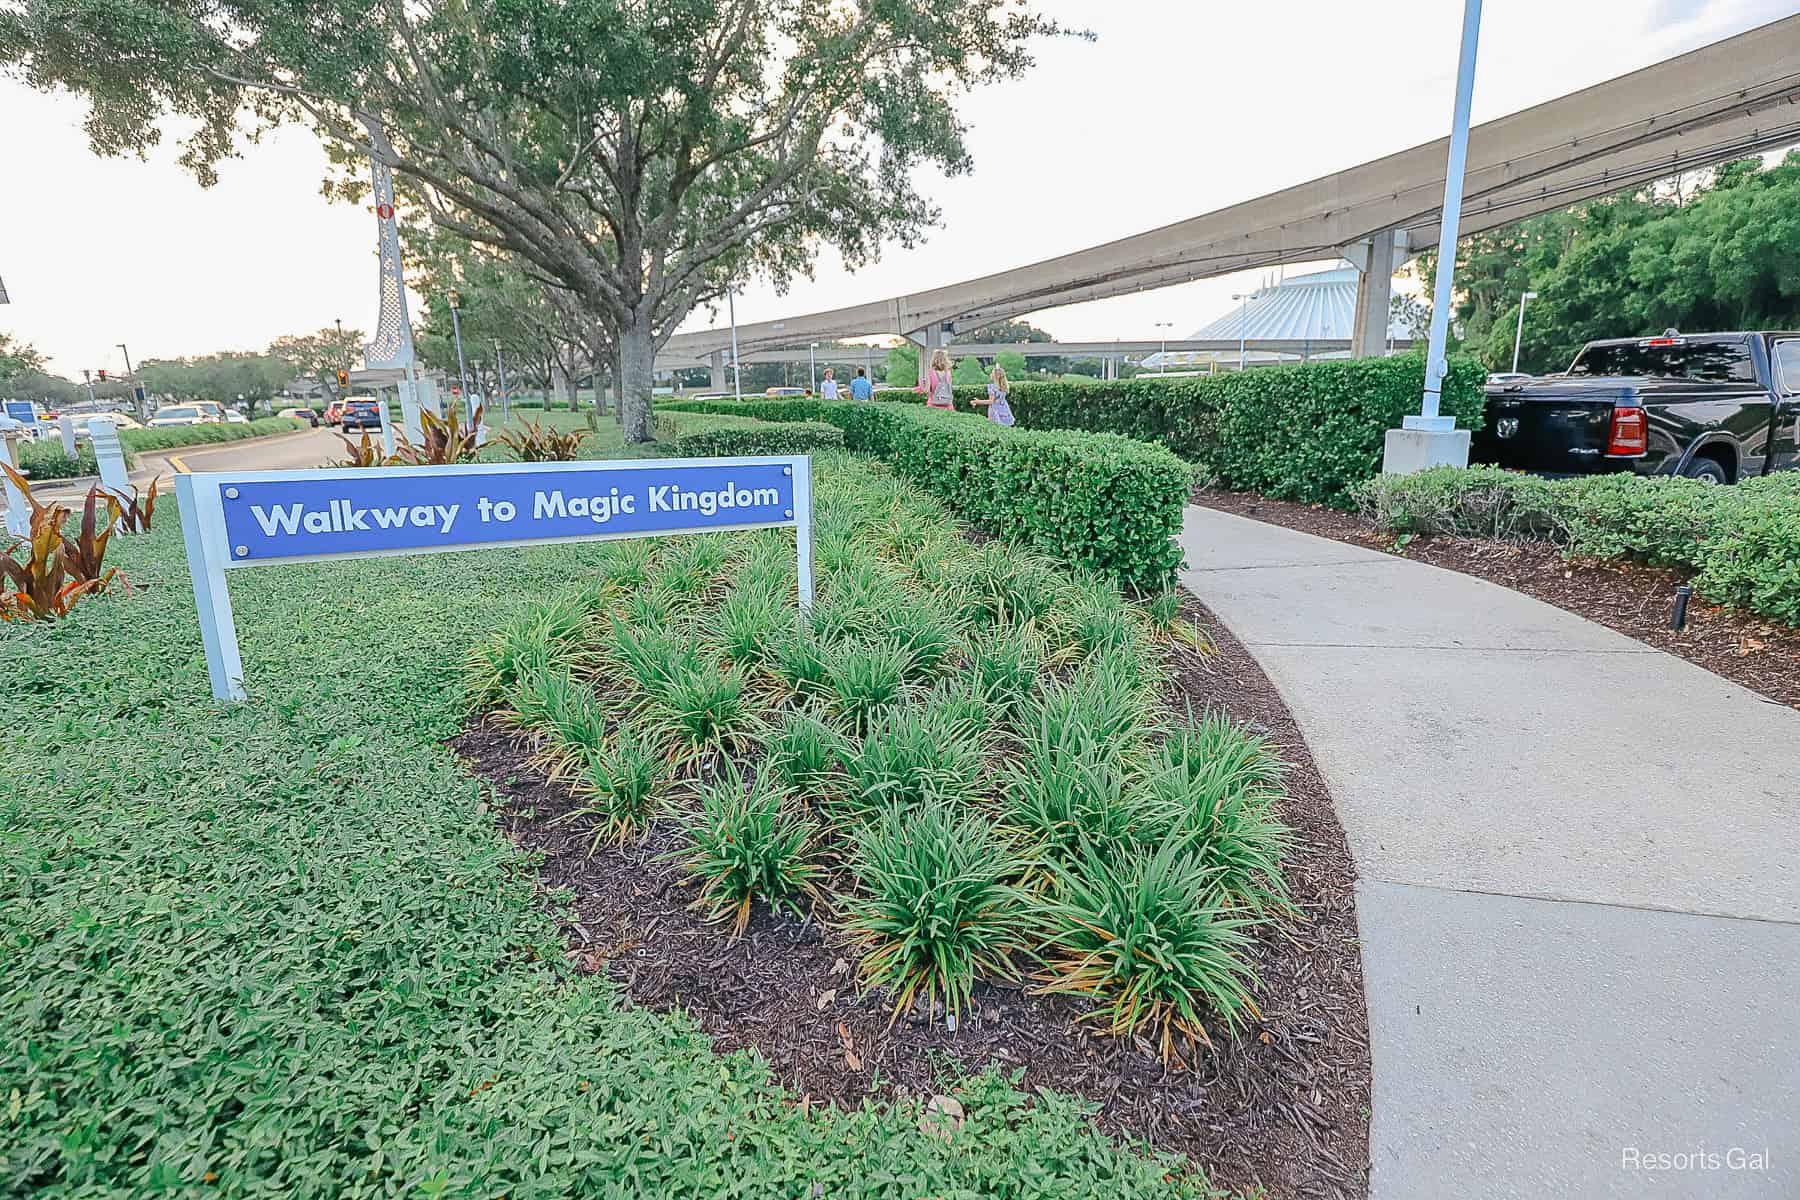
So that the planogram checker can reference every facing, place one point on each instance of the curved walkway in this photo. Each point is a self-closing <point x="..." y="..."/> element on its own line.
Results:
<point x="1579" y="898"/>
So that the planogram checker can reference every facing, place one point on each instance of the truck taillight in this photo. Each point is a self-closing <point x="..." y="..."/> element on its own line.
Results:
<point x="1630" y="433"/>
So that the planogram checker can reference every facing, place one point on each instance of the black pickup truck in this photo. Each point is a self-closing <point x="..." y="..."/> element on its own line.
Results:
<point x="1718" y="406"/>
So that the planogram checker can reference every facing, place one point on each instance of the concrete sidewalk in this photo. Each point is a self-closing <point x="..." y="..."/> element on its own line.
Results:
<point x="1579" y="904"/>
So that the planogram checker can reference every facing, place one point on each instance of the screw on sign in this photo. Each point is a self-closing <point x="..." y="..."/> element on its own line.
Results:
<point x="385" y="211"/>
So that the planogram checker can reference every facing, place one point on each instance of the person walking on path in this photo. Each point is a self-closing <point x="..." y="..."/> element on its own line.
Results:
<point x="860" y="387"/>
<point x="999" y="411"/>
<point x="939" y="391"/>
<point x="828" y="387"/>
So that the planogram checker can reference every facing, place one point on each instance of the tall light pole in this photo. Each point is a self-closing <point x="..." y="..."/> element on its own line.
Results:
<point x="812" y="366"/>
<point x="737" y="369"/>
<point x="1243" y="325"/>
<point x="140" y="398"/>
<point x="1428" y="419"/>
<point x="500" y="366"/>
<point x="1519" y="333"/>
<point x="1162" y="360"/>
<point x="462" y="368"/>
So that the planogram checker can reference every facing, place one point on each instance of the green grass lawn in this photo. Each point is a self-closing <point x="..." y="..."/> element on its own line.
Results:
<point x="280" y="949"/>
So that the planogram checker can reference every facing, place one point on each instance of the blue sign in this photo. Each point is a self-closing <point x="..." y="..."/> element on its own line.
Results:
<point x="333" y="513"/>
<point x="22" y="410"/>
<point x="247" y="520"/>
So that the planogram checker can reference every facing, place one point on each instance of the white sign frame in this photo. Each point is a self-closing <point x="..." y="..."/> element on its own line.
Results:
<point x="209" y="553"/>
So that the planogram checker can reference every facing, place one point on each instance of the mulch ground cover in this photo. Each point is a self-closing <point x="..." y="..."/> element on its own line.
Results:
<point x="1284" y="1103"/>
<point x="1635" y="600"/>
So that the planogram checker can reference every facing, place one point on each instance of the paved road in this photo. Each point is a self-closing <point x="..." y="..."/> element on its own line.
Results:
<point x="308" y="448"/>
<point x="1579" y="902"/>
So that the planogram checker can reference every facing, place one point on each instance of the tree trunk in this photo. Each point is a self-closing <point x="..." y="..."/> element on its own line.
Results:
<point x="618" y="380"/>
<point x="564" y="381"/>
<point x="637" y="362"/>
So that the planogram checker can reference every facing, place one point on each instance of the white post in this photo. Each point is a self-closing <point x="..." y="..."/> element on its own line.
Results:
<point x="203" y="528"/>
<point x="410" y="404"/>
<point x="111" y="457"/>
<point x="18" y="513"/>
<point x="803" y="533"/>
<point x="1428" y="439"/>
<point x="1448" y="224"/>
<point x="812" y="366"/>
<point x="387" y="422"/>
<point x="737" y="369"/>
<point x="1243" y="325"/>
<point x="1519" y="333"/>
<point x="66" y="425"/>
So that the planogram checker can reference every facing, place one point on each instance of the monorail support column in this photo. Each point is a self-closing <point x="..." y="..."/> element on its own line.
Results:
<point x="1376" y="258"/>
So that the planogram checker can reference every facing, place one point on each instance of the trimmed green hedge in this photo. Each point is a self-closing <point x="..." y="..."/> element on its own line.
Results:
<point x="1102" y="501"/>
<point x="695" y="435"/>
<point x="170" y="437"/>
<point x="1741" y="543"/>
<point x="1309" y="432"/>
<point x="44" y="460"/>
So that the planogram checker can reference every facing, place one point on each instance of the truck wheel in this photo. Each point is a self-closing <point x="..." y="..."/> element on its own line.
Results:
<point x="1709" y="469"/>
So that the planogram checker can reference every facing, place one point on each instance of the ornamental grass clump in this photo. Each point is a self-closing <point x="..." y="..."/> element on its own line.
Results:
<point x="1003" y="664"/>
<point x="800" y="660"/>
<point x="937" y="906"/>
<point x="1149" y="937"/>
<point x="702" y="706"/>
<point x="745" y="843"/>
<point x="807" y="755"/>
<point x="750" y="623"/>
<point x="1072" y="793"/>
<point x="911" y="754"/>
<point x="653" y="655"/>
<point x="926" y="636"/>
<point x="620" y="788"/>
<point x="1107" y="700"/>
<point x="864" y="677"/>
<point x="1222" y="785"/>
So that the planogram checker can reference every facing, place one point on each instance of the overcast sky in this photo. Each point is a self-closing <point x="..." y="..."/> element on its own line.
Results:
<point x="1180" y="107"/>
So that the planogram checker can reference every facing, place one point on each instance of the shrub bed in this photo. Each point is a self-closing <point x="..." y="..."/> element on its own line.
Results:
<point x="1309" y="432"/>
<point x="694" y="435"/>
<point x="170" y="437"/>
<point x="44" y="460"/>
<point x="1741" y="543"/>
<point x="280" y="948"/>
<point x="1100" y="501"/>
<point x="961" y="760"/>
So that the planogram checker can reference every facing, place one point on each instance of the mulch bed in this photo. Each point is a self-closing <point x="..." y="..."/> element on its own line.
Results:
<point x="1632" y="599"/>
<point x="1284" y="1103"/>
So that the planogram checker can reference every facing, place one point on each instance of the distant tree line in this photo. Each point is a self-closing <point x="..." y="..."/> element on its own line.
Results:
<point x="1716" y="251"/>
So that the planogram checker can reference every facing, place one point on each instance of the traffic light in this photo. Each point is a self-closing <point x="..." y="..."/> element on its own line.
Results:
<point x="102" y="374"/>
<point x="343" y="379"/>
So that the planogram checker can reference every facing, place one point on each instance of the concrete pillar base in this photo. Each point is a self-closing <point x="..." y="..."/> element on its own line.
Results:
<point x="1409" y="451"/>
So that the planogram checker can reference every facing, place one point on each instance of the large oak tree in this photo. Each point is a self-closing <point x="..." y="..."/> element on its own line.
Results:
<point x="642" y="154"/>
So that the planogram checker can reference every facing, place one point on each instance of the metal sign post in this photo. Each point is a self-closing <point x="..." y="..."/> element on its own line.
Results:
<point x="257" y="518"/>
<point x="18" y="514"/>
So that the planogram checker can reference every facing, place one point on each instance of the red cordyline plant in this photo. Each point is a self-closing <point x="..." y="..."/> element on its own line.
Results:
<point x="57" y="570"/>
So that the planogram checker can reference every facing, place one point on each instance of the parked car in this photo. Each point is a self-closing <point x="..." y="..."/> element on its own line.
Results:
<point x="235" y="417"/>
<point x="785" y="391"/>
<point x="334" y="413"/>
<point x="120" y="421"/>
<point x="300" y="414"/>
<point x="1715" y="406"/>
<point x="185" y="414"/>
<point x="361" y="414"/>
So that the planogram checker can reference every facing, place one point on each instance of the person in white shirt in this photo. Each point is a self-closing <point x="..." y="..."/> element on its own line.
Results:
<point x="828" y="387"/>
